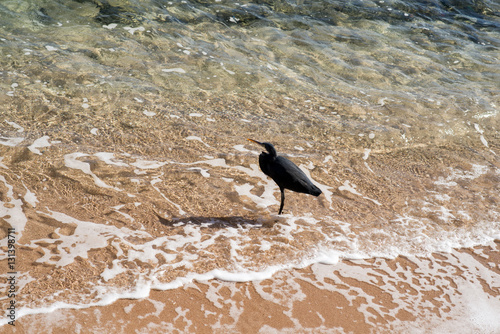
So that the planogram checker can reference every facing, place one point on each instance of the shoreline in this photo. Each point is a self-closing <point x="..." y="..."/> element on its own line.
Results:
<point x="125" y="165"/>
<point x="377" y="295"/>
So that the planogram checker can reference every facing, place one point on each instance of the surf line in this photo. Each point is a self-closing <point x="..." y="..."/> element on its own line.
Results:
<point x="11" y="275"/>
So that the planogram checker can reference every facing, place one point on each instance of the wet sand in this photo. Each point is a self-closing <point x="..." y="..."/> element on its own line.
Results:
<point x="74" y="192"/>
<point x="448" y="292"/>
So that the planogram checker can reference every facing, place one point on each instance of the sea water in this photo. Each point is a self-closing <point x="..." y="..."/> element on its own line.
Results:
<point x="124" y="164"/>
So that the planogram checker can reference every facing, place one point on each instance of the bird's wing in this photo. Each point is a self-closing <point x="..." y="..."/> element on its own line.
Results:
<point x="288" y="175"/>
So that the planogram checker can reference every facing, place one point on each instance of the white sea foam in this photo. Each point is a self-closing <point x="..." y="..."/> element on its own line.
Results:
<point x="220" y="162"/>
<point x="368" y="167"/>
<point x="12" y="212"/>
<point x="86" y="236"/>
<point x="197" y="139"/>
<point x="1" y="164"/>
<point x="30" y="197"/>
<point x="126" y="215"/>
<point x="148" y="164"/>
<point x="110" y="26"/>
<point x="176" y="70"/>
<point x="109" y="158"/>
<point x="240" y="148"/>
<point x="265" y="200"/>
<point x="466" y="294"/>
<point x="71" y="161"/>
<point x="366" y="153"/>
<point x="13" y="141"/>
<point x="484" y="141"/>
<point x="187" y="248"/>
<point x="89" y="236"/>
<point x="133" y="30"/>
<point x="473" y="308"/>
<point x="347" y="186"/>
<point x="16" y="126"/>
<point x="158" y="180"/>
<point x="203" y="172"/>
<point x="39" y="143"/>
<point x="149" y="113"/>
<point x="328" y="158"/>
<point x="454" y="175"/>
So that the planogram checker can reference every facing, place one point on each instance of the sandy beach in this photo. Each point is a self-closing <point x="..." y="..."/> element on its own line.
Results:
<point x="131" y="200"/>
<point x="449" y="292"/>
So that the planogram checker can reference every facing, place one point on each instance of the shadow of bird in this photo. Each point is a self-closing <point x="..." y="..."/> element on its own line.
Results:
<point x="219" y="222"/>
<point x="285" y="173"/>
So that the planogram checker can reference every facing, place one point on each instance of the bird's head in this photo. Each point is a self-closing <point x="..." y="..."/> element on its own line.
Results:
<point x="268" y="146"/>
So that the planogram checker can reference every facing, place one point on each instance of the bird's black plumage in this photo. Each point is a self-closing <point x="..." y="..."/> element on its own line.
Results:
<point x="285" y="173"/>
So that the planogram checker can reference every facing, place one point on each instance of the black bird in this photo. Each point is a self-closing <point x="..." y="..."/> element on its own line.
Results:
<point x="285" y="173"/>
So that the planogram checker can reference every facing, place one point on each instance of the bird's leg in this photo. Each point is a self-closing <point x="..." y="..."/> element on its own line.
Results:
<point x="282" y="200"/>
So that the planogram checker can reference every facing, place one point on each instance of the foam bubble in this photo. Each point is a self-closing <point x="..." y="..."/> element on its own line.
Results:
<point x="109" y="158"/>
<point x="328" y="158"/>
<point x="38" y="143"/>
<point x="148" y="164"/>
<point x="30" y="197"/>
<point x="12" y="212"/>
<point x="197" y="139"/>
<point x="16" y="126"/>
<point x="133" y="30"/>
<point x="149" y="113"/>
<point x="110" y="26"/>
<point x="157" y="180"/>
<point x="240" y="148"/>
<point x="1" y="164"/>
<point x="203" y="172"/>
<point x="366" y="153"/>
<point x="449" y="181"/>
<point x="347" y="186"/>
<point x="6" y="141"/>
<point x="71" y="161"/>
<point x="176" y="70"/>
<point x="86" y="236"/>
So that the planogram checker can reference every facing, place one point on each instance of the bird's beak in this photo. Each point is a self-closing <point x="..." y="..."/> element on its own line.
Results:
<point x="257" y="142"/>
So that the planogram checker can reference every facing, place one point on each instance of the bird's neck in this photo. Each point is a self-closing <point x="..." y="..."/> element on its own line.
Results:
<point x="267" y="156"/>
<point x="272" y="152"/>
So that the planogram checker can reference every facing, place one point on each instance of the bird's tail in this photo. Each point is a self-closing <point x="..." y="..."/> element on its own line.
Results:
<point x="315" y="191"/>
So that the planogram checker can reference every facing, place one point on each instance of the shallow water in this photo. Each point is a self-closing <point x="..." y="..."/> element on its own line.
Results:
<point x="404" y="295"/>
<point x="124" y="163"/>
